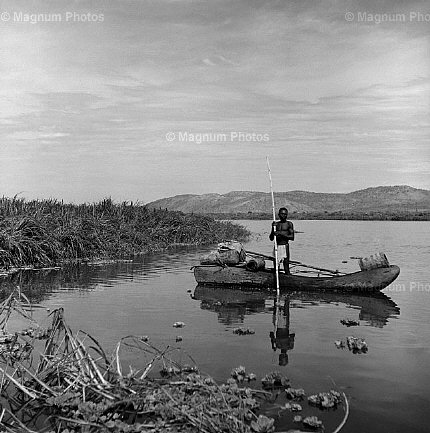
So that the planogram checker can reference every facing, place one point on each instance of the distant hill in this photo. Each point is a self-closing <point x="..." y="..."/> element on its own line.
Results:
<point x="381" y="199"/>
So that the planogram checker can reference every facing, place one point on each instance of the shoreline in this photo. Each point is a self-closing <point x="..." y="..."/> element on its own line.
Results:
<point x="318" y="217"/>
<point x="4" y="273"/>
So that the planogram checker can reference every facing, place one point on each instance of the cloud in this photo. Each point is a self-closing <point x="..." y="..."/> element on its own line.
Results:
<point x="324" y="89"/>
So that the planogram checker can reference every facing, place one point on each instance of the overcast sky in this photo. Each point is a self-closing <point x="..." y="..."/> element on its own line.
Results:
<point x="337" y="101"/>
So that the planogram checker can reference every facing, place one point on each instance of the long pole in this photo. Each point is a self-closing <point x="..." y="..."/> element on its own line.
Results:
<point x="274" y="239"/>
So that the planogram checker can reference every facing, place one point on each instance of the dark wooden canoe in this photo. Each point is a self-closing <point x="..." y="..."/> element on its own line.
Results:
<point x="362" y="281"/>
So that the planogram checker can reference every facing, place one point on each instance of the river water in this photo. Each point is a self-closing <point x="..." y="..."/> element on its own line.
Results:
<point x="387" y="387"/>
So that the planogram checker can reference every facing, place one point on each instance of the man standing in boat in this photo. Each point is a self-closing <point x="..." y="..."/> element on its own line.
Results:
<point x="284" y="232"/>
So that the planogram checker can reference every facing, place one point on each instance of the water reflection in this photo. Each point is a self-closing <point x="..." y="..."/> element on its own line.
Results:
<point x="375" y="310"/>
<point x="232" y="305"/>
<point x="38" y="285"/>
<point x="231" y="311"/>
<point x="281" y="338"/>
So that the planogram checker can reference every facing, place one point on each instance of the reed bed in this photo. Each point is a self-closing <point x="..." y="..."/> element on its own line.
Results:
<point x="42" y="233"/>
<point x="72" y="385"/>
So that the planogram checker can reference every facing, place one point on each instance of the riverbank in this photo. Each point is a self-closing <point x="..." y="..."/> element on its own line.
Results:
<point x="46" y="233"/>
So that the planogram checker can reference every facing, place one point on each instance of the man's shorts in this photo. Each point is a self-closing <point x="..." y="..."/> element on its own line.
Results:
<point x="283" y="251"/>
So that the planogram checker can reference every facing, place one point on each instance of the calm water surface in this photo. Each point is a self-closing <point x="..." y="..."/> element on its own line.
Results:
<point x="388" y="387"/>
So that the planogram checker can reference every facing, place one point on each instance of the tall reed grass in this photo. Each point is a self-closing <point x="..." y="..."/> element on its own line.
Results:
<point x="48" y="232"/>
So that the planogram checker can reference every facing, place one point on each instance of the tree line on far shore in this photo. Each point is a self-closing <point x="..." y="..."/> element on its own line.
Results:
<point x="337" y="215"/>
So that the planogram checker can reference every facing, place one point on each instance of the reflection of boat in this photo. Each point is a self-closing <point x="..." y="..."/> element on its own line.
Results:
<point x="230" y="308"/>
<point x="364" y="282"/>
<point x="376" y="309"/>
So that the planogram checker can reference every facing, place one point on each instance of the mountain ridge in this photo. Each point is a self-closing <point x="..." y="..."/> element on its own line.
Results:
<point x="391" y="199"/>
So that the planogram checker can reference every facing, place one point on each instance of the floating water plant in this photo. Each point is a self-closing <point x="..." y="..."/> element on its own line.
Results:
<point x="313" y="422"/>
<point x="339" y="344"/>
<point x="354" y="344"/>
<point x="274" y="380"/>
<point x="325" y="400"/>
<point x="243" y="331"/>
<point x="239" y="374"/>
<point x="295" y="394"/>
<point x="357" y="345"/>
<point x="349" y="322"/>
<point x="178" y="324"/>
<point x="293" y="407"/>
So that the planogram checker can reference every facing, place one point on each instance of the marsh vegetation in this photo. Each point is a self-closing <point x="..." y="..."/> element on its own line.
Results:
<point x="41" y="233"/>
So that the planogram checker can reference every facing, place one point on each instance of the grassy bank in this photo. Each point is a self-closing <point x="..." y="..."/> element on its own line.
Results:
<point x="48" y="232"/>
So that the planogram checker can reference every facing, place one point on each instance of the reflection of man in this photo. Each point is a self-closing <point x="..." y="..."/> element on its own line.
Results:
<point x="284" y="232"/>
<point x="282" y="339"/>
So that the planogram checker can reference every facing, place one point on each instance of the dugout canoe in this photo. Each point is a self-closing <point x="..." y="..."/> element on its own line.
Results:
<point x="365" y="282"/>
